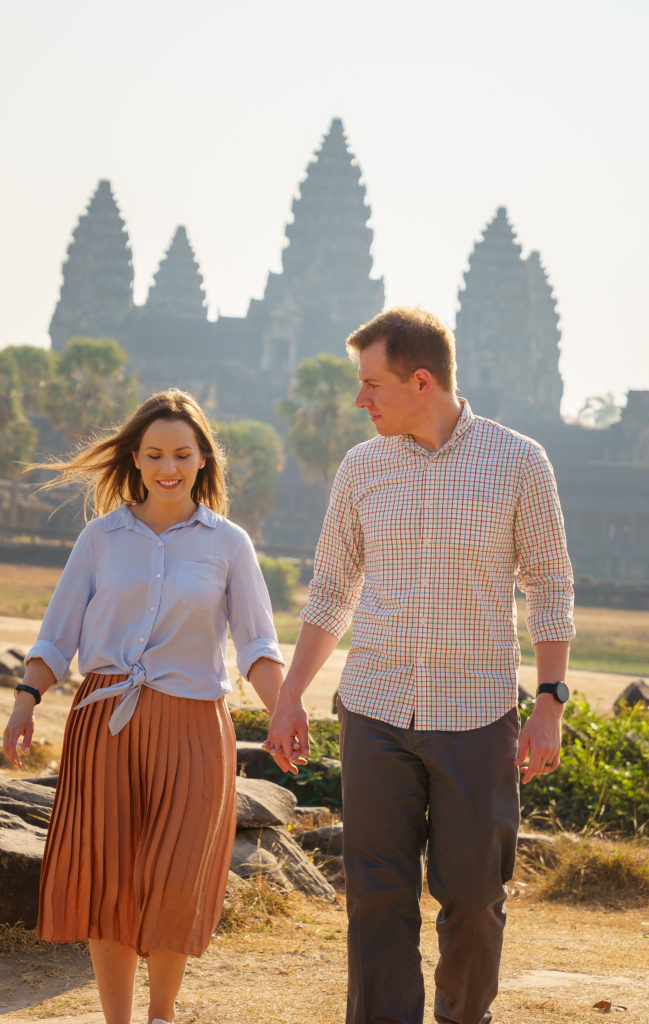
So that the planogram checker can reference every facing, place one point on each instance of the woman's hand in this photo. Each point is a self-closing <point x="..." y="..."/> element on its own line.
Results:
<point x="20" y="724"/>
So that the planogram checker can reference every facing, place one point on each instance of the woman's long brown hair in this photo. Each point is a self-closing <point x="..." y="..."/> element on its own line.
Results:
<point x="106" y="471"/>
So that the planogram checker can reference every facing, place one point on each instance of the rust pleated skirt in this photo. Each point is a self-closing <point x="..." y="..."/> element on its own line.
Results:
<point x="143" y="824"/>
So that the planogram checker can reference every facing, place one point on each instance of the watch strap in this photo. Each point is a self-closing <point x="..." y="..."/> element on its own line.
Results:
<point x="23" y="688"/>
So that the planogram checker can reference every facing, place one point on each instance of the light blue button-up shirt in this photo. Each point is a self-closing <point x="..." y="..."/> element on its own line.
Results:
<point x="157" y="608"/>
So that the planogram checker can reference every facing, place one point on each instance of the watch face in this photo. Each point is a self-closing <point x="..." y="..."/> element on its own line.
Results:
<point x="563" y="693"/>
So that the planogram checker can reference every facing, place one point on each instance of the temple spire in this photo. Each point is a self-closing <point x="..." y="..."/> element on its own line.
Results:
<point x="325" y="289"/>
<point x="506" y="331"/>
<point x="177" y="290"/>
<point x="546" y="337"/>
<point x="97" y="291"/>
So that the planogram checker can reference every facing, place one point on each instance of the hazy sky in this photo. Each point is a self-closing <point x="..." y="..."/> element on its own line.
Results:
<point x="206" y="114"/>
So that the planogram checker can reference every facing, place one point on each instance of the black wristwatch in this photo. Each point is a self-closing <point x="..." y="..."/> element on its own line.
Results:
<point x="23" y="688"/>
<point x="559" y="691"/>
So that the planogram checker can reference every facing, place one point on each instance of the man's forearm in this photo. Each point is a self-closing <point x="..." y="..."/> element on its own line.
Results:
<point x="313" y="647"/>
<point x="551" y="660"/>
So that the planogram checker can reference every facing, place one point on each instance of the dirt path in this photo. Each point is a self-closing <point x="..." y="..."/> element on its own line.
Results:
<point x="558" y="962"/>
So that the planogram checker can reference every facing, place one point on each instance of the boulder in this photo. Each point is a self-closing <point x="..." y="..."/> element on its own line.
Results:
<point x="314" y="816"/>
<point x="292" y="860"/>
<point x="32" y="803"/>
<point x="262" y="803"/>
<point x="11" y="664"/>
<point x="328" y="840"/>
<point x="21" y="853"/>
<point x="636" y="692"/>
<point x="252" y="761"/>
<point x="251" y="860"/>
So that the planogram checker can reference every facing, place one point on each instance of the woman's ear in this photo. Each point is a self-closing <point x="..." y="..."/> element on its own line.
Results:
<point x="137" y="465"/>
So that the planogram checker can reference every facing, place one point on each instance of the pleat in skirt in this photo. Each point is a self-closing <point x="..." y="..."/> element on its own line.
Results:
<point x="143" y="824"/>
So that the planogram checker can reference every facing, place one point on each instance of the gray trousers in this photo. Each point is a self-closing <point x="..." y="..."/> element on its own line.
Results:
<point x="458" y="793"/>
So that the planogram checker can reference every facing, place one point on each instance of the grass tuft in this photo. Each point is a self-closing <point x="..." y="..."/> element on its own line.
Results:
<point x="599" y="872"/>
<point x="256" y="906"/>
<point x="43" y="757"/>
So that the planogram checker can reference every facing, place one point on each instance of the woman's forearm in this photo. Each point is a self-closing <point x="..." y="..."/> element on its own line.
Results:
<point x="266" y="677"/>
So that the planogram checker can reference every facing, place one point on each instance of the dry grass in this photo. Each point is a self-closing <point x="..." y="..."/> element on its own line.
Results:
<point x="256" y="906"/>
<point x="43" y="758"/>
<point x="596" y="872"/>
<point x="25" y="590"/>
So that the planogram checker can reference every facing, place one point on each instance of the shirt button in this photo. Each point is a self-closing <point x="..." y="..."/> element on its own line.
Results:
<point x="159" y="543"/>
<point x="157" y="575"/>
<point x="152" y="608"/>
<point x="140" y="639"/>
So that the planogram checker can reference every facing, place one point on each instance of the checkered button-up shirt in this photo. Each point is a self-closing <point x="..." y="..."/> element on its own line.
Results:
<point x="423" y="549"/>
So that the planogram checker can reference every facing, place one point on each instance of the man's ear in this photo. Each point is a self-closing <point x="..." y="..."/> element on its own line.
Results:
<point x="424" y="379"/>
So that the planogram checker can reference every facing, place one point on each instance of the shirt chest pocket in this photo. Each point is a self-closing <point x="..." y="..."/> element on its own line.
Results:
<point x="200" y="583"/>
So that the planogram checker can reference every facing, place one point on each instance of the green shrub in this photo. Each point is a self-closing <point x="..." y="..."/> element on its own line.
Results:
<point x="281" y="578"/>
<point x="602" y="783"/>
<point x="318" y="782"/>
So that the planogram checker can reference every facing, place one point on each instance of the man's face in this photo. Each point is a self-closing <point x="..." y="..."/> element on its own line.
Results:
<point x="391" y="402"/>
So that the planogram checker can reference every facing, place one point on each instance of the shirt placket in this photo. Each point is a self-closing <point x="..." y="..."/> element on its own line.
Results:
<point x="153" y="597"/>
<point x="429" y="505"/>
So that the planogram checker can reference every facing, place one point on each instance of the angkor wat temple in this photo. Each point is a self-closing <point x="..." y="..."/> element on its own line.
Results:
<point x="507" y="332"/>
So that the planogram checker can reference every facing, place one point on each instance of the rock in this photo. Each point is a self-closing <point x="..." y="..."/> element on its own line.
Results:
<point x="252" y="761"/>
<point x="314" y="815"/>
<point x="292" y="860"/>
<point x="328" y="839"/>
<point x="235" y="884"/>
<point x="251" y="860"/>
<point x="43" y="780"/>
<point x="21" y="853"/>
<point x="263" y="803"/>
<point x="29" y="802"/>
<point x="636" y="692"/>
<point x="11" y="664"/>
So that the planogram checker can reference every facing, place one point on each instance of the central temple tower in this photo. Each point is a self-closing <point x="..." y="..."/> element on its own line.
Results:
<point x="325" y="289"/>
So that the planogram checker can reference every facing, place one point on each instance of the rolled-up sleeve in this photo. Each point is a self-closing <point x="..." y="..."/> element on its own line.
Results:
<point x="338" y="566"/>
<point x="543" y="572"/>
<point x="250" y="614"/>
<point x="58" y="639"/>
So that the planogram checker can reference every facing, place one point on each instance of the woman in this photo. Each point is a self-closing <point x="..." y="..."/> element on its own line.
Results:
<point x="141" y="836"/>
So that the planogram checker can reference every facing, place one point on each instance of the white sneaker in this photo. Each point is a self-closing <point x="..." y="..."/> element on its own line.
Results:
<point x="159" y="1020"/>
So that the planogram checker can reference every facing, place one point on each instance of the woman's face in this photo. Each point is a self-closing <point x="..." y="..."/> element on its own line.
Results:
<point x="169" y="459"/>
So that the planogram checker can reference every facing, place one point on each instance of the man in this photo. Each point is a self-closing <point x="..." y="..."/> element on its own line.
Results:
<point x="429" y="526"/>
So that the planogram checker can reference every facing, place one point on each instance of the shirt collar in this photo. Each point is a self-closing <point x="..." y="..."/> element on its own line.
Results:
<point x="461" y="427"/>
<point x="123" y="518"/>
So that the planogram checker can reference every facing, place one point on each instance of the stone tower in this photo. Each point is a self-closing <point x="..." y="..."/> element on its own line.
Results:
<point x="325" y="289"/>
<point x="97" y="291"/>
<point x="545" y="338"/>
<point x="507" y="331"/>
<point x="169" y="339"/>
<point x="177" y="290"/>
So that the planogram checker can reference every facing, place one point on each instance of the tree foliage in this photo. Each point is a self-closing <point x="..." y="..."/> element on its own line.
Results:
<point x="600" y="411"/>
<point x="89" y="389"/>
<point x="35" y="368"/>
<point x="323" y="421"/>
<point x="17" y="435"/>
<point x="255" y="457"/>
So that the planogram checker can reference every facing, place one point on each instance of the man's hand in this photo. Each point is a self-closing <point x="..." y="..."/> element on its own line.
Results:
<point x="288" y="734"/>
<point x="540" y="739"/>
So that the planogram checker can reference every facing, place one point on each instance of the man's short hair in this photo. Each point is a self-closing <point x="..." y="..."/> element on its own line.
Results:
<point x="414" y="340"/>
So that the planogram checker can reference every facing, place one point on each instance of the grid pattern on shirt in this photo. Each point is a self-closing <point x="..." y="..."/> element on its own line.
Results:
<point x="423" y="549"/>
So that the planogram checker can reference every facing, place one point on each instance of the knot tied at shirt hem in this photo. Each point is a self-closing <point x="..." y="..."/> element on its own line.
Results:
<point x="130" y="691"/>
